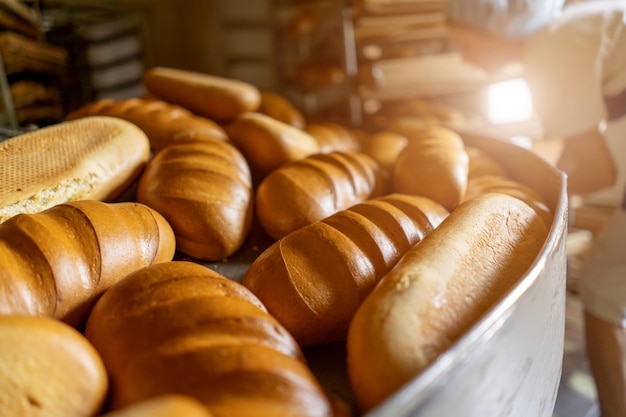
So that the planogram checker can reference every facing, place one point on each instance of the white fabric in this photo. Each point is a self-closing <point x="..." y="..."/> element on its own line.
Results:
<point x="616" y="141"/>
<point x="574" y="63"/>
<point x="508" y="18"/>
<point x="570" y="66"/>
<point x="602" y="284"/>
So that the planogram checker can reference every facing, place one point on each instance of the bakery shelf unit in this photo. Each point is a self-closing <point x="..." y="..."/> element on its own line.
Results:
<point x="31" y="68"/>
<point x="247" y="41"/>
<point x="316" y="57"/>
<point x="351" y="59"/>
<point x="107" y="48"/>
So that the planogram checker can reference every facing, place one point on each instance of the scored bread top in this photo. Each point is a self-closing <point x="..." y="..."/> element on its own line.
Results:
<point x="90" y="158"/>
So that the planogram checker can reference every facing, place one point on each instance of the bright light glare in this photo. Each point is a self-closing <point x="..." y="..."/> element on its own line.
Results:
<point x="509" y="101"/>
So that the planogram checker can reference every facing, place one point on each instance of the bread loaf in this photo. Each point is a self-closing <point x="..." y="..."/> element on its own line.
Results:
<point x="58" y="262"/>
<point x="169" y="405"/>
<point x="332" y="137"/>
<point x="217" y="98"/>
<point x="438" y="290"/>
<point x="314" y="279"/>
<point x="160" y="120"/>
<point x="497" y="184"/>
<point x="267" y="143"/>
<point x="48" y="369"/>
<point x="280" y="108"/>
<point x="179" y="327"/>
<point x="203" y="187"/>
<point x="309" y="190"/>
<point x="434" y="164"/>
<point x="480" y="164"/>
<point x="94" y="158"/>
<point x="384" y="147"/>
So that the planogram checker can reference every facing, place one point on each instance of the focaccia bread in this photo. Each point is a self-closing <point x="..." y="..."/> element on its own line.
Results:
<point x="93" y="158"/>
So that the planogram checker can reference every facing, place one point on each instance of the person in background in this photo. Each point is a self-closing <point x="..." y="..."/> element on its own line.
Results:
<point x="574" y="61"/>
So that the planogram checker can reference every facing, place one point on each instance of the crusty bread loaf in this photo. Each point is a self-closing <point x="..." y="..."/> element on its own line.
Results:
<point x="161" y="121"/>
<point x="48" y="369"/>
<point x="94" y="158"/>
<point x="267" y="143"/>
<point x="438" y="290"/>
<point x="480" y="164"/>
<point x="181" y="327"/>
<point x="333" y="137"/>
<point x="58" y="262"/>
<point x="280" y="108"/>
<point x="434" y="164"/>
<point x="314" y="279"/>
<point x="385" y="147"/>
<point x="498" y="184"/>
<point x="305" y="191"/>
<point x="168" y="405"/>
<point x="217" y="98"/>
<point x="203" y="187"/>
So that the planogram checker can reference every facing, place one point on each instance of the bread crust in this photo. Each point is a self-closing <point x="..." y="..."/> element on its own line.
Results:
<point x="58" y="262"/>
<point x="217" y="98"/>
<point x="202" y="185"/>
<point x="181" y="327"/>
<point x="160" y="120"/>
<point x="305" y="191"/>
<point x="49" y="369"/>
<point x="268" y="143"/>
<point x="167" y="405"/>
<point x="92" y="158"/>
<point x="438" y="290"/>
<point x="314" y="279"/>
<point x="434" y="164"/>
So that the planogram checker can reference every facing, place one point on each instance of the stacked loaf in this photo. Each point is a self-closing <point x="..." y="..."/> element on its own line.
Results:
<point x="371" y="239"/>
<point x="181" y="327"/>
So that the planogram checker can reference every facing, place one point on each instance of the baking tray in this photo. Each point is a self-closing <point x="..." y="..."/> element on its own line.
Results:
<point x="509" y="363"/>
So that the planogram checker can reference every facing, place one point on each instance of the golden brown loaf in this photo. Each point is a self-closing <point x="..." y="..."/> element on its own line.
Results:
<point x="48" y="369"/>
<point x="160" y="120"/>
<point x="94" y="158"/>
<point x="385" y="147"/>
<point x="480" y="163"/>
<point x="58" y="262"/>
<point x="217" y="98"/>
<point x="333" y="137"/>
<point x="498" y="184"/>
<point x="267" y="143"/>
<point x="203" y="187"/>
<point x="180" y="327"/>
<point x="434" y="164"/>
<point x="280" y="108"/>
<point x="438" y="290"/>
<point x="309" y="190"/>
<point x="168" y="405"/>
<point x="313" y="279"/>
